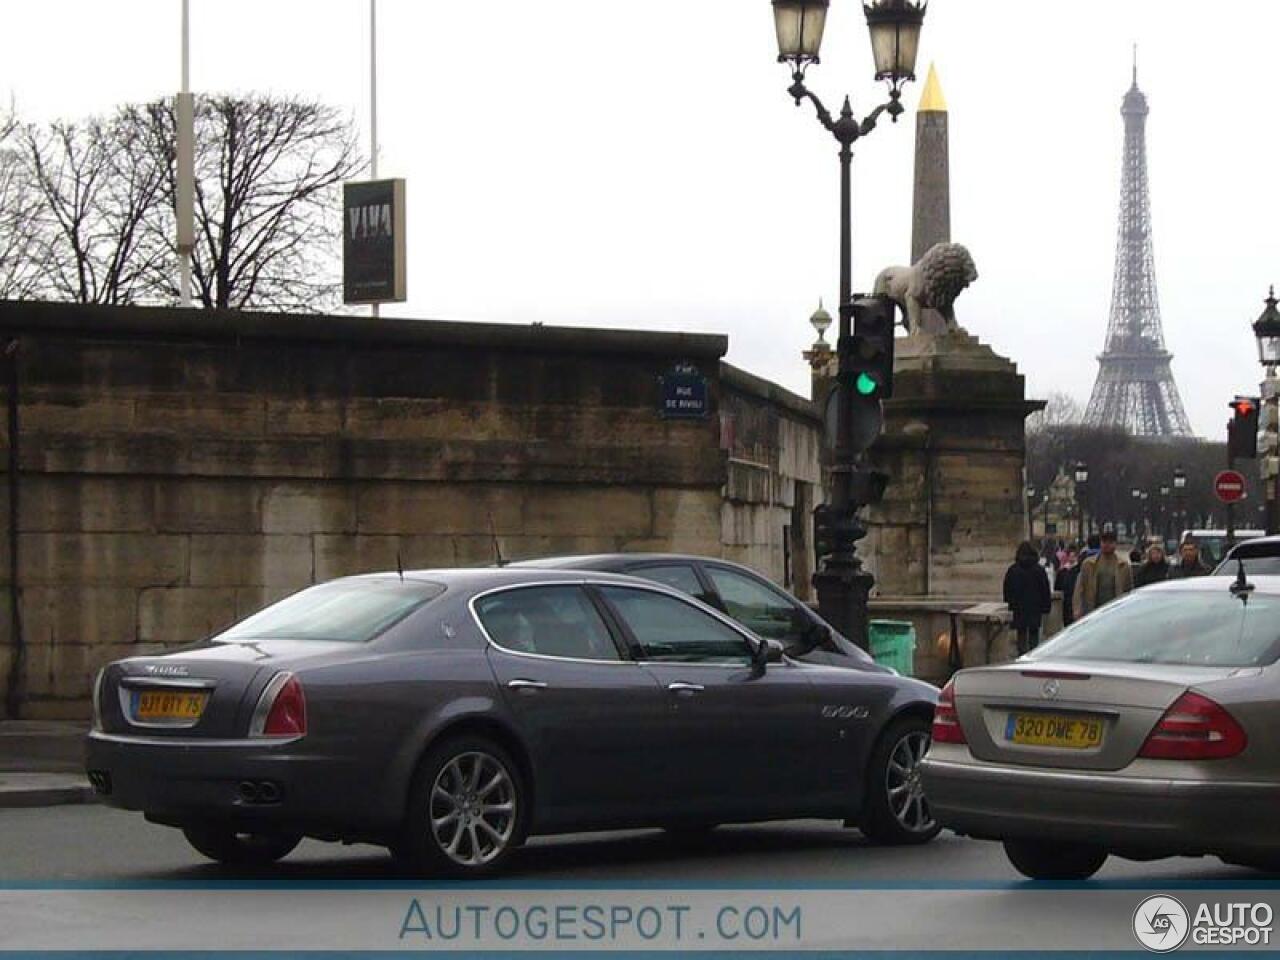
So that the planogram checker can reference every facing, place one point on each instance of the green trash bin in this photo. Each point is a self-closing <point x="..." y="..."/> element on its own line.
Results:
<point x="893" y="644"/>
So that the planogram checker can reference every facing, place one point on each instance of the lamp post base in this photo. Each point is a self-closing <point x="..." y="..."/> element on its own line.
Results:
<point x="843" y="588"/>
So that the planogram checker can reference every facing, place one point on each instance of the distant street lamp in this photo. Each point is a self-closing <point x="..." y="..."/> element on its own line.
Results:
<point x="1267" y="331"/>
<point x="1082" y="485"/>
<point x="1180" y="494"/>
<point x="1164" y="513"/>
<point x="1031" y="527"/>
<point x="894" y="27"/>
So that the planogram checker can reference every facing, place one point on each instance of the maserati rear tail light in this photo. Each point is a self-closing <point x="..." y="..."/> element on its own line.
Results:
<point x="946" y="722"/>
<point x="281" y="710"/>
<point x="1195" y="728"/>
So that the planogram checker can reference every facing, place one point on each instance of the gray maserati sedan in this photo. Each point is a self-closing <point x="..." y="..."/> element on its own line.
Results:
<point x="450" y="714"/>
<point x="1148" y="729"/>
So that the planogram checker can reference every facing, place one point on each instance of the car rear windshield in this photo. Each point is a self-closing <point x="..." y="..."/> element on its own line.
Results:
<point x="1253" y="567"/>
<point x="352" y="611"/>
<point x="1208" y="628"/>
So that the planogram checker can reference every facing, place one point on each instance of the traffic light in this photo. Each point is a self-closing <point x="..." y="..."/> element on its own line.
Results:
<point x="872" y="348"/>
<point x="1242" y="429"/>
<point x="835" y="531"/>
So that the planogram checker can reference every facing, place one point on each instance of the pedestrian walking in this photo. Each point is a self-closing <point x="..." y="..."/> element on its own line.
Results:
<point x="1190" y="563"/>
<point x="1026" y="591"/>
<point x="1154" y="569"/>
<point x="1102" y="578"/>
<point x="1065" y="584"/>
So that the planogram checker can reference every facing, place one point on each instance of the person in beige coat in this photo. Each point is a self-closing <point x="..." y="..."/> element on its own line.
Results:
<point x="1102" y="578"/>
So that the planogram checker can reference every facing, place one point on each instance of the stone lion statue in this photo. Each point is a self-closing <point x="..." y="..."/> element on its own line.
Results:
<point x="932" y="284"/>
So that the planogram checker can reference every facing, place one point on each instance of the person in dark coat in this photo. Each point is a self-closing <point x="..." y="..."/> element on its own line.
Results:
<point x="1026" y="591"/>
<point x="1191" y="564"/>
<point x="1155" y="569"/>
<point x="1065" y="584"/>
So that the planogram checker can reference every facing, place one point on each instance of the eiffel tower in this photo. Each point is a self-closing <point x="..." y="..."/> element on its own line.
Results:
<point x="1135" y="387"/>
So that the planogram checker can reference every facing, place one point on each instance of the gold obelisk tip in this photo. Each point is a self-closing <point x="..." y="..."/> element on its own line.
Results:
<point x="932" y="100"/>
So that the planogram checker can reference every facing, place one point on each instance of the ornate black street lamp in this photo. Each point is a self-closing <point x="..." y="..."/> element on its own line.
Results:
<point x="1267" y="330"/>
<point x="894" y="26"/>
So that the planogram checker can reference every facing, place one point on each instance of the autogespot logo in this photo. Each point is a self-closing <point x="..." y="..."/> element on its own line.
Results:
<point x="1161" y="924"/>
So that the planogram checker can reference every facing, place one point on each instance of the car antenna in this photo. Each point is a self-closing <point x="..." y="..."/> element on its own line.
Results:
<point x="1241" y="587"/>
<point x="399" y="565"/>
<point x="497" y="545"/>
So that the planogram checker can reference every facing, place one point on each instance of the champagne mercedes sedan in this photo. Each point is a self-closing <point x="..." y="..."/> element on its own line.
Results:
<point x="451" y="714"/>
<point x="1148" y="729"/>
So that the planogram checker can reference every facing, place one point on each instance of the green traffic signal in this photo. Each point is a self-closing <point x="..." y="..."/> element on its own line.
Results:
<point x="866" y="384"/>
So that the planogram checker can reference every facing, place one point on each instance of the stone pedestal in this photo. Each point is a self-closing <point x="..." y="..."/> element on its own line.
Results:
<point x="954" y="445"/>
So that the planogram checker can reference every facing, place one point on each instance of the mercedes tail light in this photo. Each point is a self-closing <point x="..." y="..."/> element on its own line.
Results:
<point x="1195" y="728"/>
<point x="281" y="710"/>
<point x="946" y="722"/>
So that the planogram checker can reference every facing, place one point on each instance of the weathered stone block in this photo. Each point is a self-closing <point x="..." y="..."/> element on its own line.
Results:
<point x="38" y="709"/>
<point x="79" y="615"/>
<point x="687" y="515"/>
<point x="75" y="413"/>
<point x="437" y="508"/>
<point x="309" y="508"/>
<point x="178" y="615"/>
<point x="596" y="511"/>
<point x="209" y="506"/>
<point x="203" y="413"/>
<point x="129" y="559"/>
<point x="427" y="550"/>
<point x="342" y="555"/>
<point x="323" y="416"/>
<point x="251" y="560"/>
<point x="86" y="503"/>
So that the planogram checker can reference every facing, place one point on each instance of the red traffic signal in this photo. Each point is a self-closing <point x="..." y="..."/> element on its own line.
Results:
<point x="1242" y="429"/>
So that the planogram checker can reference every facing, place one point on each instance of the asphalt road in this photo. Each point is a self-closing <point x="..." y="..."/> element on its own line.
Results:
<point x="98" y="844"/>
<point x="91" y="877"/>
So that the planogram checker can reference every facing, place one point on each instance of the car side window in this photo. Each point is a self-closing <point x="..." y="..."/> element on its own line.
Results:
<point x="678" y="576"/>
<point x="670" y="630"/>
<point x="548" y="621"/>
<point x="762" y="610"/>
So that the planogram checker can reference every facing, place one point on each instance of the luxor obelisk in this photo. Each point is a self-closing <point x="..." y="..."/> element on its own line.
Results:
<point x="931" y="206"/>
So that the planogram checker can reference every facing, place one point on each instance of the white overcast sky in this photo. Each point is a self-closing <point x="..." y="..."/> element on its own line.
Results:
<point x="637" y="163"/>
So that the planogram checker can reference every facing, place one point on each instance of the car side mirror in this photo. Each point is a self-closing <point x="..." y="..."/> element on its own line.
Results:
<point x="767" y="651"/>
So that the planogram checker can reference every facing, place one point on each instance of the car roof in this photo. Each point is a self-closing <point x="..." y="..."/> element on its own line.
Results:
<point x="1257" y="547"/>
<point x="1263" y="583"/>
<point x="483" y="578"/>
<point x="619" y="561"/>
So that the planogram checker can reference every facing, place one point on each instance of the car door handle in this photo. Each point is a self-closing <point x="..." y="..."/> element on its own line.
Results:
<point x="685" y="687"/>
<point x="526" y="685"/>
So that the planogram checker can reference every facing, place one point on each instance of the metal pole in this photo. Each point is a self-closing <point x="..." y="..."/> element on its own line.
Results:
<point x="1271" y="448"/>
<point x="373" y="99"/>
<point x="185" y="171"/>
<point x="1231" y="507"/>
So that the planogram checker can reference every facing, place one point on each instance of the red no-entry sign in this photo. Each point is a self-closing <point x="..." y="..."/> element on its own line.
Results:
<point x="1229" y="486"/>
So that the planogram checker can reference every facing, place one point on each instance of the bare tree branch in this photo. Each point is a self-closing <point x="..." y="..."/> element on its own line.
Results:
<point x="267" y="209"/>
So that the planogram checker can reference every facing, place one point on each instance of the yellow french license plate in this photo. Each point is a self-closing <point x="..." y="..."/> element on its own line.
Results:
<point x="170" y="705"/>
<point x="1053" y="730"/>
